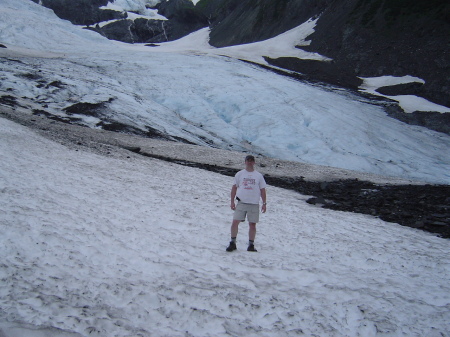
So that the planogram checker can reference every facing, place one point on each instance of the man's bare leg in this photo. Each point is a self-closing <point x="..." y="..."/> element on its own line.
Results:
<point x="234" y="232"/>
<point x="251" y="231"/>
<point x="235" y="228"/>
<point x="251" y="236"/>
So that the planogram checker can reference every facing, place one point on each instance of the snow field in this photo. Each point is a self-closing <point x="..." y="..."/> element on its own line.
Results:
<point x="117" y="246"/>
<point x="97" y="245"/>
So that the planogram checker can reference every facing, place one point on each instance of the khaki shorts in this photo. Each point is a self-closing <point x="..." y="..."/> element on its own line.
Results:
<point x="249" y="210"/>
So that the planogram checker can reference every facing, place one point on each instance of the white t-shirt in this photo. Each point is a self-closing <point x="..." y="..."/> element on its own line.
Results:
<point x="249" y="185"/>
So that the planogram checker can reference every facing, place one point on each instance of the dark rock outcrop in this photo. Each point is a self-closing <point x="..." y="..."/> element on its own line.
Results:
<point x="82" y="12"/>
<point x="389" y="37"/>
<point x="183" y="19"/>
<point x="245" y="21"/>
<point x="413" y="88"/>
<point x="326" y="72"/>
<point x="118" y="30"/>
<point x="430" y="119"/>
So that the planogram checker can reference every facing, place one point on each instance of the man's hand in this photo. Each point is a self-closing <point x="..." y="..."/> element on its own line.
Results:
<point x="263" y="208"/>
<point x="233" y="205"/>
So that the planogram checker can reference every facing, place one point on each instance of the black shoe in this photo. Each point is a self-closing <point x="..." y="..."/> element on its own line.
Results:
<point x="231" y="247"/>
<point x="251" y="248"/>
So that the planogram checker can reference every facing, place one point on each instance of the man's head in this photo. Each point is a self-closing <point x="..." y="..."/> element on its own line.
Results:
<point x="249" y="163"/>
<point x="250" y="158"/>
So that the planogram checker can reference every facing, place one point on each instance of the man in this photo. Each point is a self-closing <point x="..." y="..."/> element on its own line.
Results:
<point x="249" y="186"/>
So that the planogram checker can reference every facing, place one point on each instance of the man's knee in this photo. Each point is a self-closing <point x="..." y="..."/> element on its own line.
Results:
<point x="236" y="222"/>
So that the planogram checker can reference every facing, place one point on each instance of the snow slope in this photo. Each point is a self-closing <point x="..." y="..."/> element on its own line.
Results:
<point x="409" y="103"/>
<point x="123" y="245"/>
<point x="189" y="90"/>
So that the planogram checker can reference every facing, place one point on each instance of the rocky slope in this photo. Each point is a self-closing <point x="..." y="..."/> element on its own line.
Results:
<point x="182" y="17"/>
<point x="245" y="21"/>
<point x="376" y="38"/>
<point x="81" y="12"/>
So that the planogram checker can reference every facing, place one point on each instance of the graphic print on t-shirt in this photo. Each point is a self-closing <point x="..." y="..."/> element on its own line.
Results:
<point x="249" y="183"/>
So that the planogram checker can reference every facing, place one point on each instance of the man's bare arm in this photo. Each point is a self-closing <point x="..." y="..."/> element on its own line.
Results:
<point x="233" y="196"/>
<point x="264" y="199"/>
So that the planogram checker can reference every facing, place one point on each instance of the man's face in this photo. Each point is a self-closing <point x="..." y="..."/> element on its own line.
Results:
<point x="250" y="164"/>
